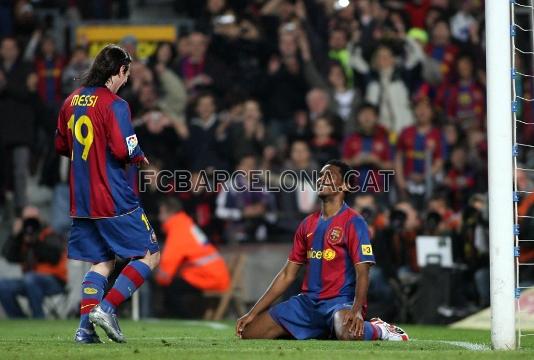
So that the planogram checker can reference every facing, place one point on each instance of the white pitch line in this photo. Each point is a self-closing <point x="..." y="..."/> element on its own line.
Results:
<point x="463" y="344"/>
<point x="211" y="324"/>
<point x="468" y="345"/>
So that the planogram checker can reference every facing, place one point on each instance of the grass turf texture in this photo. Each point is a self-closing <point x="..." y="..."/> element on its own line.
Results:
<point x="40" y="340"/>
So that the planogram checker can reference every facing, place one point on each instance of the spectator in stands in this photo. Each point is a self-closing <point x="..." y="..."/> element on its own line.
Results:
<point x="205" y="144"/>
<point x="419" y="154"/>
<point x="319" y="105"/>
<point x="324" y="145"/>
<point x="248" y="134"/>
<point x="440" y="219"/>
<point x="72" y="74"/>
<point x="368" y="207"/>
<point x="237" y="41"/>
<point x="17" y="84"/>
<point x="247" y="213"/>
<point x="155" y="126"/>
<point x="43" y="260"/>
<point x="189" y="264"/>
<point x="201" y="72"/>
<point x="442" y="51"/>
<point x="460" y="178"/>
<point x="171" y="90"/>
<point x="395" y="244"/>
<point x="129" y="43"/>
<point x="343" y="97"/>
<point x="284" y="87"/>
<point x="463" y="99"/>
<point x="49" y="66"/>
<point x="295" y="205"/>
<point x="338" y="40"/>
<point x="388" y="90"/>
<point x="463" y="21"/>
<point x="368" y="149"/>
<point x="453" y="136"/>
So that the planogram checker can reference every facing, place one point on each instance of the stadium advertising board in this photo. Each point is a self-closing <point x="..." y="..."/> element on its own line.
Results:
<point x="147" y="36"/>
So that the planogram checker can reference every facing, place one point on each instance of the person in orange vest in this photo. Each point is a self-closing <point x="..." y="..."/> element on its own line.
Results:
<point x="189" y="264"/>
<point x="42" y="256"/>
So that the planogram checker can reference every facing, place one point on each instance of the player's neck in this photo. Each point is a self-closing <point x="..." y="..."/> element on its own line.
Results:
<point x="113" y="84"/>
<point x="330" y="206"/>
<point x="111" y="87"/>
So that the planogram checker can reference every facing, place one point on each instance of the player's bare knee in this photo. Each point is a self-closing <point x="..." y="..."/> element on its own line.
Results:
<point x="152" y="260"/>
<point x="341" y="330"/>
<point x="104" y="268"/>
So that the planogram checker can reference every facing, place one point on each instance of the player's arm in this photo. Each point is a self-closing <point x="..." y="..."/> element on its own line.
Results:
<point x="61" y="141"/>
<point x="355" y="319"/>
<point x="278" y="286"/>
<point x="361" y="253"/>
<point x="121" y="137"/>
<point x="282" y="280"/>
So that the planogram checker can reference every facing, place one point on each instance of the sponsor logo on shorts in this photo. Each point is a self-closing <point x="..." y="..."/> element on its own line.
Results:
<point x="327" y="254"/>
<point x="90" y="291"/>
<point x="153" y="238"/>
<point x="131" y="141"/>
<point x="335" y="236"/>
<point x="367" y="250"/>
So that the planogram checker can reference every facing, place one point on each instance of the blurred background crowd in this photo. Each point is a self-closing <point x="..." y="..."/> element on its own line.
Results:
<point x="273" y="85"/>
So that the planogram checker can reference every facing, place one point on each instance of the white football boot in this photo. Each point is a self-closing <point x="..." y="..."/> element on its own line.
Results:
<point x="390" y="332"/>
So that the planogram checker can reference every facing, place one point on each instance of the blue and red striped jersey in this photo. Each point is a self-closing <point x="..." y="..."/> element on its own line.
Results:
<point x="414" y="145"/>
<point x="329" y="249"/>
<point x="94" y="129"/>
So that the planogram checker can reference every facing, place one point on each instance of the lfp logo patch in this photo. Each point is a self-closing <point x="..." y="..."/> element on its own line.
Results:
<point x="367" y="250"/>
<point x="131" y="142"/>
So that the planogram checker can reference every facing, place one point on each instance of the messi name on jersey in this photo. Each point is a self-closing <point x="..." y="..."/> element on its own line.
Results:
<point x="84" y="100"/>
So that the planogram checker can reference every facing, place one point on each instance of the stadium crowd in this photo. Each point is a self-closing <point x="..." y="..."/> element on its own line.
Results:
<point x="284" y="84"/>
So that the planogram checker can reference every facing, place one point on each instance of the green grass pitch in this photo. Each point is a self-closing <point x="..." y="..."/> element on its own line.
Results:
<point x="152" y="340"/>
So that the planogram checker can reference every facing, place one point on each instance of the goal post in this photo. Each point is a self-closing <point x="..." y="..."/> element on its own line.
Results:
<point x="500" y="175"/>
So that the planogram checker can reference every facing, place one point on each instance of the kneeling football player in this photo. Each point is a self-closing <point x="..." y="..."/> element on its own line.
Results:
<point x="333" y="246"/>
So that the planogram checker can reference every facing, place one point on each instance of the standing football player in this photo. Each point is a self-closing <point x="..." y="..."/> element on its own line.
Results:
<point x="333" y="246"/>
<point x="94" y="130"/>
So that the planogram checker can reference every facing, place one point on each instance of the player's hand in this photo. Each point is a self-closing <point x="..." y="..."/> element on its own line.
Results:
<point x="354" y="321"/>
<point x="242" y="323"/>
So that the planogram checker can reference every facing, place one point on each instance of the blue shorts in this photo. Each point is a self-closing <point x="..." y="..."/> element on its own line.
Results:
<point x="305" y="318"/>
<point x="98" y="240"/>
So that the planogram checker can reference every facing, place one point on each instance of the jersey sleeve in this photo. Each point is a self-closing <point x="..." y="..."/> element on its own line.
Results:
<point x="298" y="251"/>
<point x="359" y="242"/>
<point x="121" y="136"/>
<point x="61" y="141"/>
